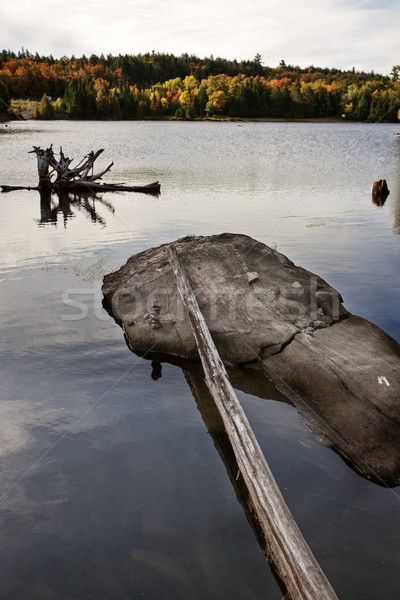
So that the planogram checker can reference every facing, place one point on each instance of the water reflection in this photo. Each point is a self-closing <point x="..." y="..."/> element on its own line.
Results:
<point x="249" y="381"/>
<point x="379" y="201"/>
<point x="157" y="370"/>
<point x="64" y="204"/>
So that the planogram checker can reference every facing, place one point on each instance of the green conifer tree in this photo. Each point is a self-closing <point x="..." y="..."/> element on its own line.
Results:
<point x="5" y="98"/>
<point x="44" y="110"/>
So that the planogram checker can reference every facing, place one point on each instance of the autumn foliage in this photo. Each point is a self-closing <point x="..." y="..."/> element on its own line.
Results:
<point x="158" y="85"/>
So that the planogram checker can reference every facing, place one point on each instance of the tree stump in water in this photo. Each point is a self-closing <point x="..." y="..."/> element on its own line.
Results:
<point x="43" y="168"/>
<point x="380" y="192"/>
<point x="65" y="176"/>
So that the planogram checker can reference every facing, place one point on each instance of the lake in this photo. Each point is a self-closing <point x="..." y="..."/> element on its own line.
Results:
<point x="112" y="485"/>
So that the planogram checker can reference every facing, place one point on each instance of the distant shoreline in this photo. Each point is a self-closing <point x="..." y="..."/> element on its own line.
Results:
<point x="9" y="118"/>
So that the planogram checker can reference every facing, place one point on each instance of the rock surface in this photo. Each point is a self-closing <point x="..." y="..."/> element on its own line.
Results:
<point x="260" y="307"/>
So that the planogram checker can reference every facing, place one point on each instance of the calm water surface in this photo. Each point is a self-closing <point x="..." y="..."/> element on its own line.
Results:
<point x="111" y="484"/>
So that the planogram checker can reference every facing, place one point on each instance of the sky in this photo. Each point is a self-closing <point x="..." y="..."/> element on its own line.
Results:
<point x="344" y="34"/>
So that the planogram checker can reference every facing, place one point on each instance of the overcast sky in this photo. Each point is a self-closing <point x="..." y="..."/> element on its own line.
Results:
<point x="327" y="33"/>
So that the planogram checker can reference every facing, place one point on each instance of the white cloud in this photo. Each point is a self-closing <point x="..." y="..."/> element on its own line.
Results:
<point x="335" y="33"/>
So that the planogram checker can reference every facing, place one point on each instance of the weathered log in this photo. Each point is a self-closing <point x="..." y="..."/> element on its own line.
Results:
<point x="79" y="185"/>
<point x="93" y="187"/>
<point x="13" y="188"/>
<point x="287" y="548"/>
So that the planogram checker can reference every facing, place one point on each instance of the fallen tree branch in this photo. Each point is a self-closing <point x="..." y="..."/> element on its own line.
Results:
<point x="94" y="186"/>
<point x="12" y="188"/>
<point x="98" y="175"/>
<point x="286" y="547"/>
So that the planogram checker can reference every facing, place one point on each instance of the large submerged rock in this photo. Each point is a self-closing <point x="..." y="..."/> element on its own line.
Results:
<point x="261" y="307"/>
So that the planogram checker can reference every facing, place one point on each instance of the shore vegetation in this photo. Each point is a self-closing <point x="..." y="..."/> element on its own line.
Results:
<point x="157" y="85"/>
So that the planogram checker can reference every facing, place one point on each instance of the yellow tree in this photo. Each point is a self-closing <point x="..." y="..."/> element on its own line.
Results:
<point x="217" y="102"/>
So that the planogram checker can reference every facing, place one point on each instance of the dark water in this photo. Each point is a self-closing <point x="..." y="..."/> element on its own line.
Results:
<point x="112" y="486"/>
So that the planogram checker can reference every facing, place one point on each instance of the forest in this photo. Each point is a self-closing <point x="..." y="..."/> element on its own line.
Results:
<point x="155" y="85"/>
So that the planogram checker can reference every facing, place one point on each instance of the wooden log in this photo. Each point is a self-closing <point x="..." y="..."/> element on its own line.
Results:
<point x="287" y="549"/>
<point x="79" y="185"/>
<point x="13" y="188"/>
<point x="93" y="187"/>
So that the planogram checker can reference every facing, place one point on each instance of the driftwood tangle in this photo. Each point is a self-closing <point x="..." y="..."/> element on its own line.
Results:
<point x="56" y="174"/>
<point x="286" y="547"/>
<point x="66" y="177"/>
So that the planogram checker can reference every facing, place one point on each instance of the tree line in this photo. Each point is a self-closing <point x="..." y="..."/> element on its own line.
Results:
<point x="163" y="85"/>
